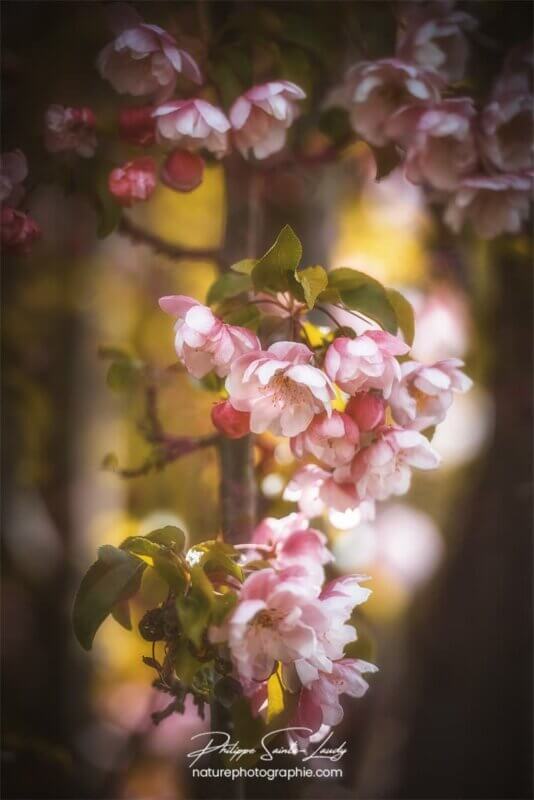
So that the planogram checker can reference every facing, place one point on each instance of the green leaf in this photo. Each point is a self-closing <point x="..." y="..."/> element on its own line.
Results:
<point x="224" y="603"/>
<point x="186" y="665"/>
<point x="313" y="280"/>
<point x="121" y="614"/>
<point x="227" y="690"/>
<point x="194" y="608"/>
<point x="215" y="555"/>
<point x="362" y="293"/>
<point x="247" y="316"/>
<point x="114" y="576"/>
<point x="169" y="536"/>
<point x="228" y="285"/>
<point x="404" y="313"/>
<point x="160" y="550"/>
<point x="245" y="266"/>
<point x="272" y="271"/>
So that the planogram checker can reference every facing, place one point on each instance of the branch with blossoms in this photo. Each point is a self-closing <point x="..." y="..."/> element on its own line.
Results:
<point x="257" y="626"/>
<point x="472" y="153"/>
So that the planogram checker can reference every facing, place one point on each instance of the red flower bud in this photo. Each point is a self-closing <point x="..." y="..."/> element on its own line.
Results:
<point x="368" y="410"/>
<point x="182" y="171"/>
<point x="137" y="125"/>
<point x="18" y="230"/>
<point x="230" y="422"/>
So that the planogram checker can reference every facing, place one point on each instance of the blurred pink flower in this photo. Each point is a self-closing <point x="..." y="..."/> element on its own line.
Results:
<point x="367" y="409"/>
<point x="202" y="341"/>
<point x="230" y="422"/>
<point x="261" y="116"/>
<point x="18" y="231"/>
<point x="366" y="362"/>
<point x="143" y="59"/>
<point x="276" y="619"/>
<point x="494" y="204"/>
<point x="182" y="171"/>
<point x="440" y="142"/>
<point x="506" y="136"/>
<point x="290" y="541"/>
<point x="137" y="125"/>
<point x="13" y="172"/>
<point x="319" y="703"/>
<point x="434" y="38"/>
<point x="193" y="124"/>
<point x="134" y="181"/>
<point x="280" y="388"/>
<point x="424" y="394"/>
<point x="331" y="439"/>
<point x="374" y="90"/>
<point x="70" y="130"/>
<point x="384" y="468"/>
<point x="316" y="489"/>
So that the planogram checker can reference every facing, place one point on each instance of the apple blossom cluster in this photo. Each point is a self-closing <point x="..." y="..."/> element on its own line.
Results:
<point x="355" y="456"/>
<point x="285" y="619"/>
<point x="479" y="161"/>
<point x="144" y="60"/>
<point x="18" y="230"/>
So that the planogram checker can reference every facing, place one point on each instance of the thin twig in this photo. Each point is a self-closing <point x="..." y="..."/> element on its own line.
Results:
<point x="140" y="236"/>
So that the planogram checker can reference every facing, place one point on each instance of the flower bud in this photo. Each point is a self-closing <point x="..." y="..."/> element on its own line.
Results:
<point x="230" y="422"/>
<point x="134" y="181"/>
<point x="18" y="230"/>
<point x="367" y="410"/>
<point x="137" y="126"/>
<point x="182" y="171"/>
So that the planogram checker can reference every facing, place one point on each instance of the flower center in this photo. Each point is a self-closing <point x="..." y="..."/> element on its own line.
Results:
<point x="287" y="391"/>
<point x="268" y="617"/>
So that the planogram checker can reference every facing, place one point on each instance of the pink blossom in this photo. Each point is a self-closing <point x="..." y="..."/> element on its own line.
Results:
<point x="367" y="409"/>
<point x="384" y="468"/>
<point x="434" y="38"/>
<point x="134" y="181"/>
<point x="280" y="388"/>
<point x="13" y="172"/>
<point x="204" y="342"/>
<point x="506" y="135"/>
<point x="516" y="76"/>
<point x="319" y="703"/>
<point x="18" y="230"/>
<point x="337" y="601"/>
<point x="374" y="90"/>
<point x="277" y="618"/>
<point x="331" y="439"/>
<point x="70" y="130"/>
<point x="260" y="117"/>
<point x="182" y="171"/>
<point x="231" y="423"/>
<point x="424" y="394"/>
<point x="144" y="59"/>
<point x="290" y="541"/>
<point x="494" y="204"/>
<point x="366" y="362"/>
<point x="440" y="140"/>
<point x="193" y="124"/>
<point x="137" y="125"/>
<point x="316" y="489"/>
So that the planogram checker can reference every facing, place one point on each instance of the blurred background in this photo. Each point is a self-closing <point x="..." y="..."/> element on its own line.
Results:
<point x="450" y="618"/>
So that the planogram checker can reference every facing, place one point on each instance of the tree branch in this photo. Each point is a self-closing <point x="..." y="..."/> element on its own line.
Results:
<point x="140" y="236"/>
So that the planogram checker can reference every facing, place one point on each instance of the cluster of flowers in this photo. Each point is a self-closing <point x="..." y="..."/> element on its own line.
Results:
<point x="18" y="229"/>
<point x="364" y="453"/>
<point x="144" y="60"/>
<point x="480" y="162"/>
<point x="286" y="620"/>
